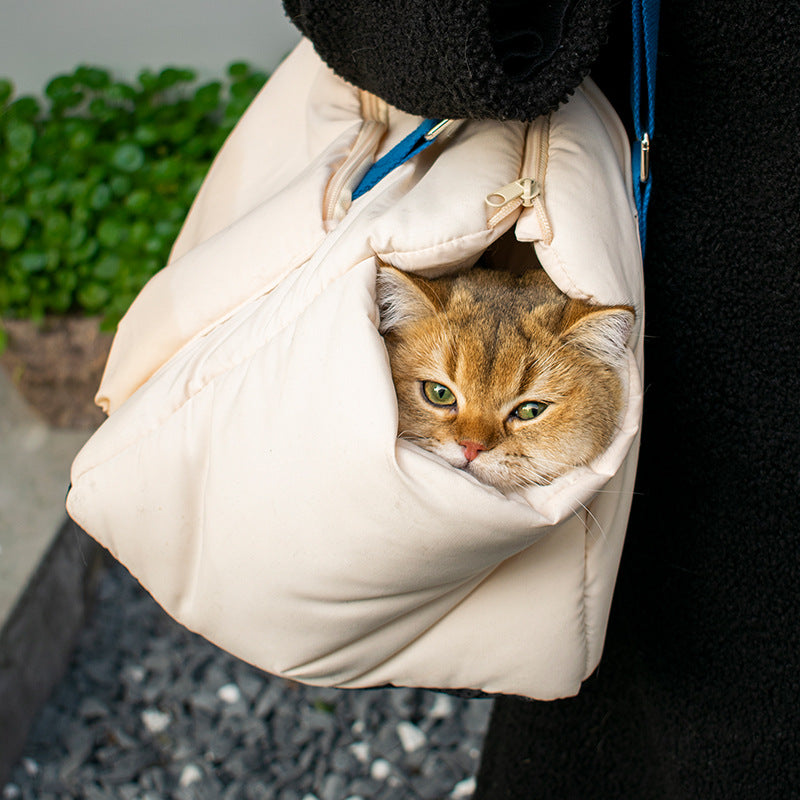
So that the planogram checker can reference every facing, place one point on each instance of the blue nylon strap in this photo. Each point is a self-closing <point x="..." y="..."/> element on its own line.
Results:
<point x="414" y="143"/>
<point x="643" y="100"/>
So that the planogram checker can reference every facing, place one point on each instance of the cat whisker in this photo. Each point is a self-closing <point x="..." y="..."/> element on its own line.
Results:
<point x="595" y="520"/>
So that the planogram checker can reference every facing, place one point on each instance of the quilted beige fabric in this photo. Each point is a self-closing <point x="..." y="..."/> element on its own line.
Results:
<point x="267" y="504"/>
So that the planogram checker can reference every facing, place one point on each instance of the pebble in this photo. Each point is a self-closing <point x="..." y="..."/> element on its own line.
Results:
<point x="411" y="737"/>
<point x="155" y="721"/>
<point x="380" y="769"/>
<point x="148" y="711"/>
<point x="190" y="774"/>
<point x="361" y="751"/>
<point x="442" y="708"/>
<point x="463" y="789"/>
<point x="30" y="767"/>
<point x="229" y="693"/>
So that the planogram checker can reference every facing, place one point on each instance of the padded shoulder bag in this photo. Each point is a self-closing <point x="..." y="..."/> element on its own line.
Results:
<point x="265" y="508"/>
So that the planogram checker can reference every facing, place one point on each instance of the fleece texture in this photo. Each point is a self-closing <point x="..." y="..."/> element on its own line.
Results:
<point x="501" y="59"/>
<point x="697" y="693"/>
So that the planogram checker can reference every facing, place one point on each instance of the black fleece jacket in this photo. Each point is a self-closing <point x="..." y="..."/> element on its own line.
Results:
<point x="697" y="694"/>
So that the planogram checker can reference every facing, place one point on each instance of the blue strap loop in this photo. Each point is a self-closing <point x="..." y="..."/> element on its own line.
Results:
<point x="643" y="99"/>
<point x="414" y="143"/>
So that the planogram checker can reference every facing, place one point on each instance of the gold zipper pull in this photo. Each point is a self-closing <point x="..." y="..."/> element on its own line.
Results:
<point x="525" y="188"/>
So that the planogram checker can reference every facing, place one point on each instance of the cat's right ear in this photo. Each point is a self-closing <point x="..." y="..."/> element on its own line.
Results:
<point x="402" y="297"/>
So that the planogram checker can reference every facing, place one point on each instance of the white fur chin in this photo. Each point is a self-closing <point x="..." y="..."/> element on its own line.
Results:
<point x="482" y="468"/>
<point x="452" y="453"/>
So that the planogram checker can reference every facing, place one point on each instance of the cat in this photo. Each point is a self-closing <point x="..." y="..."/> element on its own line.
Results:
<point x="501" y="375"/>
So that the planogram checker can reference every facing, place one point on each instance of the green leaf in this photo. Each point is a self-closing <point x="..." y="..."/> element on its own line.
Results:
<point x="20" y="137"/>
<point x="138" y="201"/>
<point x="56" y="228"/>
<point x="39" y="175"/>
<point x="257" y="80"/>
<point x="166" y="170"/>
<point x="60" y="301"/>
<point x="139" y="232"/>
<point x="14" y="224"/>
<point x="107" y="267"/>
<point x="67" y="280"/>
<point x="93" y="297"/>
<point x="239" y="69"/>
<point x="36" y="200"/>
<point x="72" y="163"/>
<point x="6" y="91"/>
<point x="84" y="253"/>
<point x="166" y="229"/>
<point x="120" y="185"/>
<point x="77" y="235"/>
<point x="78" y="190"/>
<point x="81" y="136"/>
<point x="56" y="193"/>
<point x="146" y="134"/>
<point x="3" y="335"/>
<point x="155" y="245"/>
<point x="128" y="157"/>
<point x="23" y="108"/>
<point x="120" y="93"/>
<point x="60" y="87"/>
<point x="196" y="147"/>
<point x="53" y="259"/>
<point x="92" y="77"/>
<point x="148" y="80"/>
<point x="10" y="184"/>
<point x="110" y="232"/>
<point x="242" y="91"/>
<point x="171" y="76"/>
<point x="100" y="196"/>
<point x="32" y="261"/>
<point x="207" y="97"/>
<point x="181" y="131"/>
<point x="81" y="213"/>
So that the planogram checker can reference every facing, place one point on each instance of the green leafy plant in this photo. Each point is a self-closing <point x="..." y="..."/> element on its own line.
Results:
<point x="96" y="181"/>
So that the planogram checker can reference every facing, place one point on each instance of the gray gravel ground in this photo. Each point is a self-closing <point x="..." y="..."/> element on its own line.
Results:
<point x="149" y="711"/>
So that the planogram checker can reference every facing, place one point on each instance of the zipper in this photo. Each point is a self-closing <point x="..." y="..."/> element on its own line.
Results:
<point x="526" y="192"/>
<point x="338" y="193"/>
<point x="507" y="199"/>
<point x="526" y="189"/>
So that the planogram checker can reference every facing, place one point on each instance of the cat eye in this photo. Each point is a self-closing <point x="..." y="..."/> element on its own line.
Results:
<point x="529" y="410"/>
<point x="438" y="394"/>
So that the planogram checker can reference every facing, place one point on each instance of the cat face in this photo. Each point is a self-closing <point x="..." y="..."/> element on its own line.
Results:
<point x="502" y="376"/>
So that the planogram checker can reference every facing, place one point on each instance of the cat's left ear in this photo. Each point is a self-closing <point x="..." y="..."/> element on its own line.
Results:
<point x="602" y="332"/>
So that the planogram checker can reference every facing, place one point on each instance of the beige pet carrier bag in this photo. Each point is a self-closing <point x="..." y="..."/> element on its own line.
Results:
<point x="271" y="508"/>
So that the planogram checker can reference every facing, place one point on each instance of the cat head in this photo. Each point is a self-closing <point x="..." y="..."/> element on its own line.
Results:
<point x="502" y="375"/>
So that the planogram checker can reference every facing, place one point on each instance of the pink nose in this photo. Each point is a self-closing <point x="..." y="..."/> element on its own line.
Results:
<point x="471" y="449"/>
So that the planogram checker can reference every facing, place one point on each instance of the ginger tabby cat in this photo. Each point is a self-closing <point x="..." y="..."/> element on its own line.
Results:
<point x="501" y="375"/>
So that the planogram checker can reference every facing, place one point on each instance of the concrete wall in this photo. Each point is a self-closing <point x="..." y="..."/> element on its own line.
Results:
<point x="41" y="38"/>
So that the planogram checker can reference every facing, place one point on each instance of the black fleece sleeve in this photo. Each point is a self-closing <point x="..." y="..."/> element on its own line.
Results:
<point x="495" y="59"/>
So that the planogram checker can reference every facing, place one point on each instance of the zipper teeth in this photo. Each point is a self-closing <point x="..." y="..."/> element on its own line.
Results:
<point x="541" y="142"/>
<point x="366" y="141"/>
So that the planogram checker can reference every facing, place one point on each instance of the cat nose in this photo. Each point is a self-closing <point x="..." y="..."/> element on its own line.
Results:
<point x="471" y="449"/>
